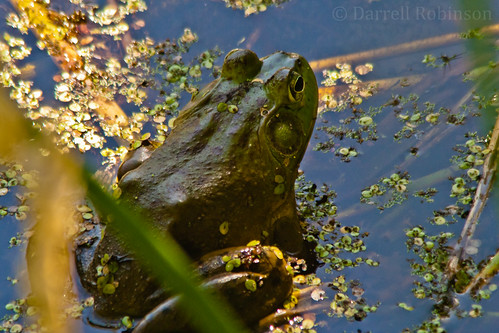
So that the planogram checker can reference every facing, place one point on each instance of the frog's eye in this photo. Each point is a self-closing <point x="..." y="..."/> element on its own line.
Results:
<point x="296" y="87"/>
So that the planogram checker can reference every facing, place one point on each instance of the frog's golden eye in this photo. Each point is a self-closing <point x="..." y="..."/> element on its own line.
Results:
<point x="296" y="87"/>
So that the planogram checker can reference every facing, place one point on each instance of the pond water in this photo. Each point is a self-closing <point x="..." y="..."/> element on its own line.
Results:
<point x="322" y="29"/>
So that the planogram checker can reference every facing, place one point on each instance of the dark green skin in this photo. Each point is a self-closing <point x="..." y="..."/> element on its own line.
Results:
<point x="215" y="167"/>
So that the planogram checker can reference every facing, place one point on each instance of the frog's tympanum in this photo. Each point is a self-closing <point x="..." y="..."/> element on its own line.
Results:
<point x="224" y="177"/>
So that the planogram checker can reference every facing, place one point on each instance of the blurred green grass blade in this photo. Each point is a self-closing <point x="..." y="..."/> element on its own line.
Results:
<point x="166" y="260"/>
<point x="483" y="51"/>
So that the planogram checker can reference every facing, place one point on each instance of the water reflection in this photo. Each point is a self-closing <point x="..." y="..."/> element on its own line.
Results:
<point x="427" y="108"/>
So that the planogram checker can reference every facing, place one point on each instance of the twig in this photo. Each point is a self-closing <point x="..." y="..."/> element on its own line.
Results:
<point x="479" y="201"/>
<point x="389" y="51"/>
<point x="485" y="274"/>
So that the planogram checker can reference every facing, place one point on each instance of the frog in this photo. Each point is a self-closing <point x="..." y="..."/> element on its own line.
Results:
<point x="222" y="185"/>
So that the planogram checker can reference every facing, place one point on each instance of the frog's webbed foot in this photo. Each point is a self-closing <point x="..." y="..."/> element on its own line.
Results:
<point x="161" y="318"/>
<point x="135" y="157"/>
<point x="250" y="277"/>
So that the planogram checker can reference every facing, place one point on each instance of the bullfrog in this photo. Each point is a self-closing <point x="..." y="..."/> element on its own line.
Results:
<point x="222" y="185"/>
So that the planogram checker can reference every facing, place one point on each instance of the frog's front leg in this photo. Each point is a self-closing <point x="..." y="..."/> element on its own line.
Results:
<point x="254" y="279"/>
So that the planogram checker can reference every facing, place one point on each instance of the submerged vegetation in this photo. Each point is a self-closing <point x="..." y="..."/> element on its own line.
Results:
<point x="106" y="103"/>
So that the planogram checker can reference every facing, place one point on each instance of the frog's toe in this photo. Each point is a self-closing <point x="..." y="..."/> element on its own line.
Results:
<point x="161" y="318"/>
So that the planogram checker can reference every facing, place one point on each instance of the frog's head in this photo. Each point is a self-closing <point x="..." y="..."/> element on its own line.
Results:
<point x="289" y="118"/>
<point x="278" y="109"/>
<point x="280" y="105"/>
<point x="290" y="108"/>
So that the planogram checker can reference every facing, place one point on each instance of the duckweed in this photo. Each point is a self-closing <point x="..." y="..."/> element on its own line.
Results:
<point x="250" y="285"/>
<point x="314" y="203"/>
<point x="365" y="121"/>
<point x="279" y="179"/>
<point x="253" y="243"/>
<point x="232" y="263"/>
<point x="232" y="108"/>
<point x="439" y="220"/>
<point x="394" y="187"/>
<point x="279" y="189"/>
<point x="278" y="253"/>
<point x="14" y="241"/>
<point x="252" y="6"/>
<point x="79" y="92"/>
<point x="344" y="151"/>
<point x="416" y="115"/>
<point x="108" y="289"/>
<point x="405" y="306"/>
<point x="31" y="311"/>
<point x="221" y="107"/>
<point x="332" y="238"/>
<point x="307" y="324"/>
<point x="359" y="125"/>
<point x="224" y="228"/>
<point x="299" y="279"/>
<point x="16" y="328"/>
<point x="127" y="322"/>
<point x="291" y="302"/>
<point x="473" y="173"/>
